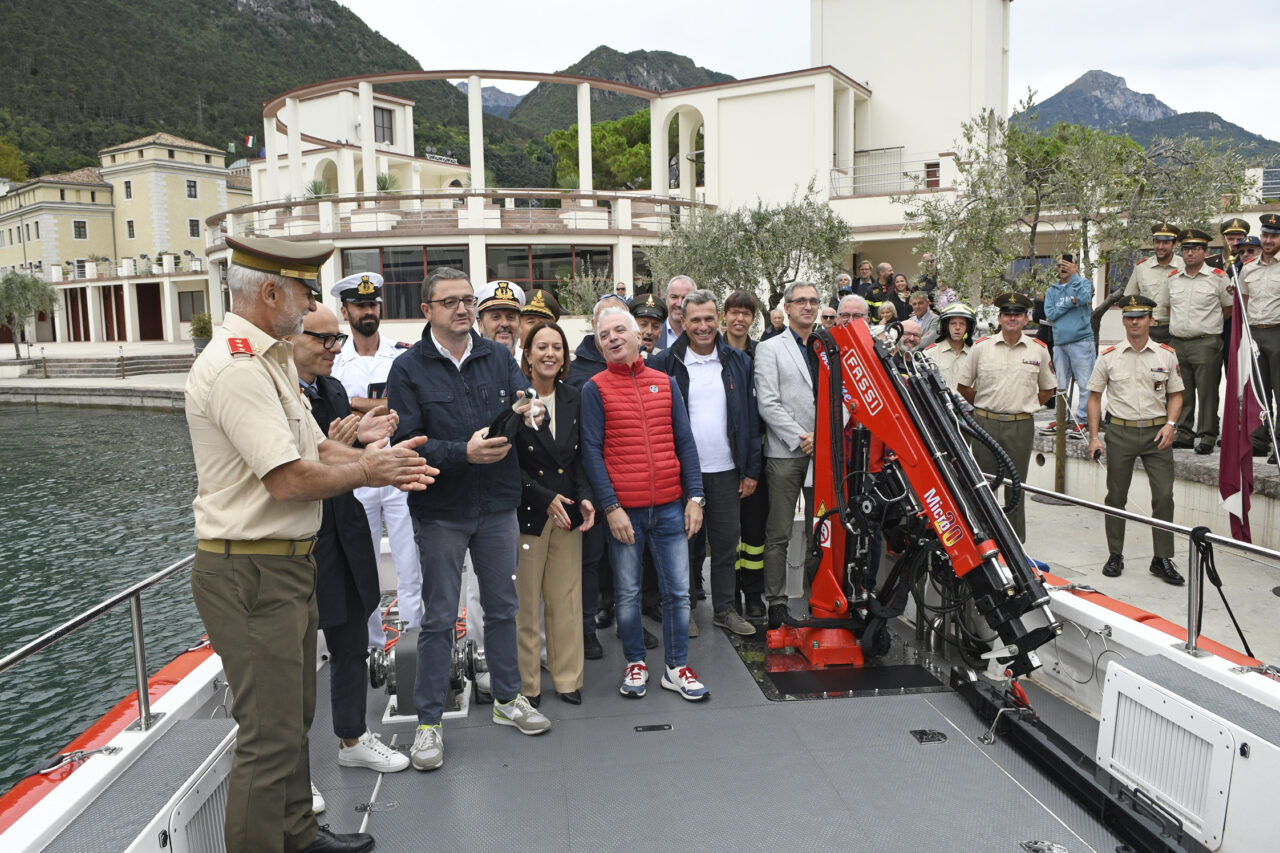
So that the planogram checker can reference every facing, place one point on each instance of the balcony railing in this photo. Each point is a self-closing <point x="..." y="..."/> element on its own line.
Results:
<point x="883" y="171"/>
<point x="121" y="268"/>
<point x="408" y="213"/>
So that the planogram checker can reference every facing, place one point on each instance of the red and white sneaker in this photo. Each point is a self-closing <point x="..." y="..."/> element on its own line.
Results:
<point x="684" y="681"/>
<point x="635" y="680"/>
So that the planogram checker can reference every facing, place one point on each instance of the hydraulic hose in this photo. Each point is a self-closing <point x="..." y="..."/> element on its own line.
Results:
<point x="1003" y="462"/>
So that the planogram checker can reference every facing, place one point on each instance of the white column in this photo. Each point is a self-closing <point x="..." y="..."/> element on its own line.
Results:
<point x="710" y="160"/>
<point x="478" y="259"/>
<point x="94" y="300"/>
<point x="623" y="270"/>
<point x="294" y="130"/>
<point x="346" y="171"/>
<point x="60" y="332"/>
<point x="657" y="150"/>
<point x="368" y="153"/>
<point x="824" y="102"/>
<point x="585" y="180"/>
<point x="844" y="127"/>
<point x="475" y="131"/>
<point x="213" y="296"/>
<point x="169" y="309"/>
<point x="131" y="311"/>
<point x="271" y="177"/>
<point x="684" y="139"/>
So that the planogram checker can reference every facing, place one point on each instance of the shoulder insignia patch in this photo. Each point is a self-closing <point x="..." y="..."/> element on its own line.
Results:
<point x="402" y="345"/>
<point x="1143" y="261"/>
<point x="1174" y="271"/>
<point x="930" y="346"/>
<point x="1040" y="342"/>
<point x="980" y="340"/>
<point x="1107" y="350"/>
<point x="240" y="346"/>
<point x="1217" y="271"/>
<point x="1170" y="349"/>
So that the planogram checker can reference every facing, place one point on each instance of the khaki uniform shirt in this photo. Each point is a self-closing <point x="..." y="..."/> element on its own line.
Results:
<point x="1138" y="382"/>
<point x="948" y="360"/>
<point x="1261" y="283"/>
<point x="247" y="417"/>
<point x="1196" y="302"/>
<point x="1151" y="279"/>
<point x="1007" y="379"/>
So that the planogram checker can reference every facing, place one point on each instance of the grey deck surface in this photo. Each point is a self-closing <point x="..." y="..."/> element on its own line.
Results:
<point x="737" y="772"/>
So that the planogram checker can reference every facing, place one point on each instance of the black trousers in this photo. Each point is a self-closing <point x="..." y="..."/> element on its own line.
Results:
<point x="348" y="644"/>
<point x="721" y="525"/>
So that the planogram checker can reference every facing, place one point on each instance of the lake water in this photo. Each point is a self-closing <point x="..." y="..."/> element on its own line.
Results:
<point x="91" y="501"/>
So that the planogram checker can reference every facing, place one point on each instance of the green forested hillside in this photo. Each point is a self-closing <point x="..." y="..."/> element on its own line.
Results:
<point x="79" y="75"/>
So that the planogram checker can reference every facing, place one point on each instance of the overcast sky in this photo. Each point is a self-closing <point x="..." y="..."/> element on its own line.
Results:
<point x="1177" y="50"/>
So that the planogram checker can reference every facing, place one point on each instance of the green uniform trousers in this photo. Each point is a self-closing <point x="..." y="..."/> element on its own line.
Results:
<point x="1126" y="445"/>
<point x="1016" y="438"/>
<point x="1268" y="341"/>
<point x="260" y="612"/>
<point x="1159" y="334"/>
<point x="1200" y="360"/>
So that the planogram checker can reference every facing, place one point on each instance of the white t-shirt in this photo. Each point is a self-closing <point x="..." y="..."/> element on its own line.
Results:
<point x="709" y="411"/>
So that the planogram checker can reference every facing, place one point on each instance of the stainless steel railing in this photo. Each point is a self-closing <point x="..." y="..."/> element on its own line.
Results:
<point x="132" y="595"/>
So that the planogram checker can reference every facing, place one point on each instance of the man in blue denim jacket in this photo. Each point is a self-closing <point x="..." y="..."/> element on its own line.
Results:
<point x="1068" y="305"/>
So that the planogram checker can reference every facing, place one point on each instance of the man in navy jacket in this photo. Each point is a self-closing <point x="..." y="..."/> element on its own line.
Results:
<point x="450" y="386"/>
<point x="716" y="382"/>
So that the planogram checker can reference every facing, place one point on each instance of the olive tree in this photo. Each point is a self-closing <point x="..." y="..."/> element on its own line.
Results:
<point x="22" y="297"/>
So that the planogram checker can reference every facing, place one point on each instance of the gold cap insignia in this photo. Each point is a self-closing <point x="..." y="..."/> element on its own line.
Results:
<point x="503" y="291"/>
<point x="538" y="301"/>
<point x="365" y="287"/>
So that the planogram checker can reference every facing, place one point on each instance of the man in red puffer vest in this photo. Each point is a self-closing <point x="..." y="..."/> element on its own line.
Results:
<point x="642" y="461"/>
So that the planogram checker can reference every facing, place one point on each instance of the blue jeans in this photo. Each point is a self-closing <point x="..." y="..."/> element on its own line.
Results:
<point x="494" y="542"/>
<point x="663" y="528"/>
<point x="1075" y="359"/>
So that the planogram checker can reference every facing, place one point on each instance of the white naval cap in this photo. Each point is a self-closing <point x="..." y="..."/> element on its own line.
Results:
<point x="359" y="287"/>
<point x="499" y="294"/>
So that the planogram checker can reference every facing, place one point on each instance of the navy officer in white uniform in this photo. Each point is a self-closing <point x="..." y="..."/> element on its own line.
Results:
<point x="362" y="367"/>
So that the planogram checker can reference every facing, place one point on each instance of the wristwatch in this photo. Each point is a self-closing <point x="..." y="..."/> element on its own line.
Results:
<point x="701" y="502"/>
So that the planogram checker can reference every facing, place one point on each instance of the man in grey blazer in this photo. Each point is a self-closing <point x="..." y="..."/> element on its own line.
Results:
<point x="786" y="376"/>
<point x="678" y="287"/>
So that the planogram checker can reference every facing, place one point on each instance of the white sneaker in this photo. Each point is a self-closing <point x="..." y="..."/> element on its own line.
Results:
<point x="482" y="682"/>
<point x="372" y="753"/>
<point x="428" y="748"/>
<point x="317" y="800"/>
<point x="634" y="680"/>
<point x="521" y="715"/>
<point x="684" y="681"/>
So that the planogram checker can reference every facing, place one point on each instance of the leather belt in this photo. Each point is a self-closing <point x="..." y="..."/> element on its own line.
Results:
<point x="1197" y="337"/>
<point x="1263" y="325"/>
<point x="1000" y="416"/>
<point x="1160" y="421"/>
<point x="261" y="547"/>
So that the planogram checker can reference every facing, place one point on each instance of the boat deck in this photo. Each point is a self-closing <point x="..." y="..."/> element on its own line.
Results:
<point x="736" y="772"/>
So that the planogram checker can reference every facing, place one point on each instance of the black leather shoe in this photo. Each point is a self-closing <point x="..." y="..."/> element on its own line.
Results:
<point x="535" y="701"/>
<point x="777" y="614"/>
<point x="1114" y="566"/>
<point x="328" y="842"/>
<point x="604" y="617"/>
<point x="573" y="697"/>
<point x="1271" y="460"/>
<point x="650" y="641"/>
<point x="755" y="608"/>
<point x="1204" y="448"/>
<point x="591" y="648"/>
<point x="1162" y="567"/>
<point x="653" y="611"/>
<point x="1182" y="444"/>
<point x="1260" y="451"/>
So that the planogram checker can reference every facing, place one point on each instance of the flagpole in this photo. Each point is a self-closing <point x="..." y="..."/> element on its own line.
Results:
<point x="1255" y="370"/>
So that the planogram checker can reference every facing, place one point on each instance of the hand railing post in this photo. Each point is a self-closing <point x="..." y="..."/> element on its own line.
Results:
<point x="140" y="663"/>
<point x="1195" y="575"/>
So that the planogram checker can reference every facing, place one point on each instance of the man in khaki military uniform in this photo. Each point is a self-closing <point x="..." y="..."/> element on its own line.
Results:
<point x="1141" y="380"/>
<point x="955" y="340"/>
<point x="1260" y="288"/>
<point x="1198" y="302"/>
<point x="264" y="466"/>
<point x="1007" y="377"/>
<point x="1150" y="277"/>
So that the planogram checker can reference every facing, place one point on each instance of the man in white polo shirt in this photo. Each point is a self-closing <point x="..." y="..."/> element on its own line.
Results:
<point x="362" y="367"/>
<point x="716" y="382"/>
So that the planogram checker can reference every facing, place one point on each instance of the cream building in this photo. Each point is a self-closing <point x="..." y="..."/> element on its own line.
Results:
<point x="123" y="242"/>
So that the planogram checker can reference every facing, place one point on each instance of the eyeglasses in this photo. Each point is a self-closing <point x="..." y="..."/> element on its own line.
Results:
<point x="806" y="302"/>
<point x="844" y="318"/>
<point x="451" y="302"/>
<point x="329" y="342"/>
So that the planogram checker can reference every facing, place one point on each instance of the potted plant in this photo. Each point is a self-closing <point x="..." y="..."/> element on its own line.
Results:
<point x="201" y="331"/>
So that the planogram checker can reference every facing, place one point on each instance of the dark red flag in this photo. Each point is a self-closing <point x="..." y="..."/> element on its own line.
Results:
<point x="1242" y="414"/>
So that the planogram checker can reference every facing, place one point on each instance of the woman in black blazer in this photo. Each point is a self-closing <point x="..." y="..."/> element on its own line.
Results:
<point x="555" y="508"/>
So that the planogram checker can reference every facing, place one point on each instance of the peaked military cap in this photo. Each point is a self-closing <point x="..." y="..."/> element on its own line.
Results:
<point x="291" y="259"/>
<point x="1013" y="302"/>
<point x="1164" y="231"/>
<point x="1235" y="226"/>
<point x="1137" y="305"/>
<point x="644" y="305"/>
<point x="541" y="303"/>
<point x="499" y="294"/>
<point x="1270" y="223"/>
<point x="1194" y="237"/>
<point x="359" y="287"/>
<point x="1249" y="241"/>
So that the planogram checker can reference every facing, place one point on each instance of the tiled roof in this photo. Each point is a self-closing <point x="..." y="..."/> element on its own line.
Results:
<point x="162" y="139"/>
<point x="87" y="175"/>
<point x="239" y="182"/>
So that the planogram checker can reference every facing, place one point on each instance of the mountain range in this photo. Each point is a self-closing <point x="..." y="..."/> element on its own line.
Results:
<point x="1104" y="101"/>
<point x="495" y="101"/>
